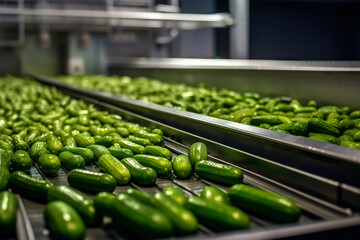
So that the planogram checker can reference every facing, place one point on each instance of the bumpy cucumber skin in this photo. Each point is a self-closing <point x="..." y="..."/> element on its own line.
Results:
<point x="86" y="153"/>
<point x="218" y="217"/>
<point x="115" y="167"/>
<point x="91" y="181"/>
<point x="273" y="206"/>
<point x="153" y="137"/>
<point x="4" y="178"/>
<point x="197" y="152"/>
<point x="98" y="150"/>
<point x="220" y="173"/>
<point x="161" y="165"/>
<point x="140" y="174"/>
<point x="71" y="161"/>
<point x="83" y="140"/>
<point x="321" y="126"/>
<point x="141" y="141"/>
<point x="183" y="220"/>
<point x="176" y="194"/>
<point x="30" y="187"/>
<point x="64" y="222"/>
<point x="5" y="158"/>
<point x="49" y="164"/>
<point x="134" y="147"/>
<point x="140" y="219"/>
<point x="214" y="194"/>
<point x="38" y="149"/>
<point x="182" y="166"/>
<point x="119" y="152"/>
<point x="21" y="161"/>
<point x="81" y="203"/>
<point x="8" y="211"/>
<point x="54" y="145"/>
<point x="106" y="141"/>
<point x="158" y="151"/>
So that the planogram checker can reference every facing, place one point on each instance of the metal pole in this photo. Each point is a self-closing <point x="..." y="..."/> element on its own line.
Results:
<point x="239" y="32"/>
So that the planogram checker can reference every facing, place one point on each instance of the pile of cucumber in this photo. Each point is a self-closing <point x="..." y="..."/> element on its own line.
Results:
<point x="331" y="124"/>
<point x="41" y="127"/>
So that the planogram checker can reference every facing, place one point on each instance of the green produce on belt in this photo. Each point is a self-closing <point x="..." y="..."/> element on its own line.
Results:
<point x="277" y="114"/>
<point x="8" y="211"/>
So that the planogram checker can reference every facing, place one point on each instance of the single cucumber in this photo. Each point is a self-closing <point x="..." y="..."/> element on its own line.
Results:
<point x="5" y="158"/>
<point x="8" y="212"/>
<point x="182" y="166"/>
<point x="141" y="141"/>
<point x="106" y="141"/>
<point x="81" y="203"/>
<point x="63" y="221"/>
<point x="216" y="216"/>
<point x="71" y="161"/>
<point x="346" y="138"/>
<point x="4" y="178"/>
<point x="21" y="161"/>
<point x="263" y="203"/>
<point x="197" y="152"/>
<point x="29" y="187"/>
<point x="6" y="145"/>
<point x="38" y="149"/>
<point x="220" y="173"/>
<point x="69" y="141"/>
<point x="140" y="174"/>
<point x="140" y="219"/>
<point x="300" y="128"/>
<point x="91" y="181"/>
<point x="134" y="147"/>
<point x="83" y="140"/>
<point x="54" y="145"/>
<point x="142" y="197"/>
<point x="269" y="119"/>
<point x="103" y="204"/>
<point x="98" y="150"/>
<point x="119" y="152"/>
<point x="114" y="167"/>
<point x="214" y="194"/>
<point x="153" y="137"/>
<point x="328" y="137"/>
<point x="321" y="126"/>
<point x="19" y="143"/>
<point x="158" y="151"/>
<point x="176" y="194"/>
<point x="158" y="131"/>
<point x="49" y="164"/>
<point x="183" y="220"/>
<point x="86" y="153"/>
<point x="161" y="165"/>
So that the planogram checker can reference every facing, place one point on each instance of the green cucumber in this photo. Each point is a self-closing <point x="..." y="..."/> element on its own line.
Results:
<point x="21" y="161"/>
<point x="355" y="114"/>
<point x="29" y="187"/>
<point x="153" y="137"/>
<point x="4" y="178"/>
<point x="161" y="165"/>
<point x="140" y="219"/>
<point x="140" y="174"/>
<point x="83" y="140"/>
<point x="197" y="152"/>
<point x="91" y="181"/>
<point x="321" y="126"/>
<point x="54" y="145"/>
<point x="114" y="167"/>
<point x="328" y="137"/>
<point x="176" y="194"/>
<point x="346" y="138"/>
<point x="8" y="212"/>
<point x="87" y="154"/>
<point x="300" y="128"/>
<point x="63" y="221"/>
<point x="134" y="147"/>
<point x="69" y="141"/>
<point x="158" y="151"/>
<point x="98" y="150"/>
<point x="158" y="131"/>
<point x="49" y="164"/>
<point x="142" y="197"/>
<point x="220" y="173"/>
<point x="106" y="141"/>
<point x="19" y="143"/>
<point x="182" y="166"/>
<point x="38" y="149"/>
<point x="5" y="158"/>
<point x="214" y="194"/>
<point x="263" y="203"/>
<point x="183" y="220"/>
<point x="71" y="161"/>
<point x="216" y="216"/>
<point x="81" y="203"/>
<point x="119" y="152"/>
<point x="138" y="140"/>
<point x="103" y="204"/>
<point x="122" y="131"/>
<point x="269" y="119"/>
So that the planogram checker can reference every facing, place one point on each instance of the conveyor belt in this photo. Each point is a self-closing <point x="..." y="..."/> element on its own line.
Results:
<point x="320" y="169"/>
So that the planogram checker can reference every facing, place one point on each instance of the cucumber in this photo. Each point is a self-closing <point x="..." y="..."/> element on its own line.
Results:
<point x="355" y="114"/>
<point x="87" y="154"/>
<point x="269" y="119"/>
<point x="49" y="164"/>
<point x="321" y="126"/>
<point x="183" y="220"/>
<point x="69" y="141"/>
<point x="8" y="212"/>
<point x="54" y="145"/>
<point x="158" y="151"/>
<point x="153" y="137"/>
<point x="300" y="128"/>
<point x="106" y="141"/>
<point x="119" y="152"/>
<point x="143" y="197"/>
<point x="197" y="152"/>
<point x="176" y="194"/>
<point x="114" y="167"/>
<point x="30" y="139"/>
<point x="319" y="138"/>
<point x="83" y="140"/>
<point x="161" y="165"/>
<point x="81" y="203"/>
<point x="267" y="204"/>
<point x="19" y="143"/>
<point x="214" y="194"/>
<point x="63" y="221"/>
<point x="21" y="161"/>
<point x="220" y="173"/>
<point x="4" y="178"/>
<point x="139" y="219"/>
<point x="98" y="150"/>
<point x="122" y="131"/>
<point x="71" y="161"/>
<point x="91" y="181"/>
<point x="140" y="174"/>
<point x="282" y="127"/>
<point x="158" y="131"/>
<point x="346" y="138"/>
<point x="138" y="140"/>
<point x="218" y="217"/>
<point x="182" y="166"/>
<point x="103" y="204"/>
<point x="134" y="147"/>
<point x="5" y="158"/>
<point x="29" y="187"/>
<point x="328" y="137"/>
<point x="38" y="149"/>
